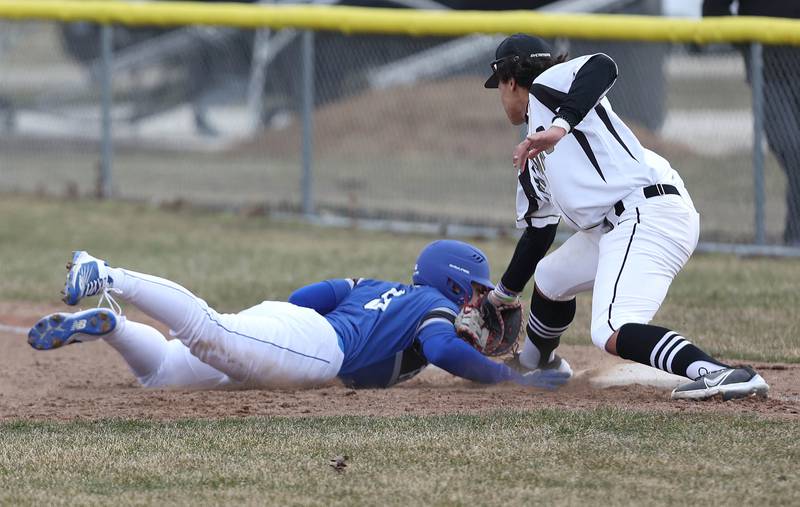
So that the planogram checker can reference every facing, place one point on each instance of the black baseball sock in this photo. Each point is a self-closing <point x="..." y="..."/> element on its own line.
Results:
<point x="664" y="349"/>
<point x="546" y="322"/>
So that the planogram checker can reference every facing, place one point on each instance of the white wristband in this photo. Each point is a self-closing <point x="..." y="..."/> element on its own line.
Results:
<point x="562" y="123"/>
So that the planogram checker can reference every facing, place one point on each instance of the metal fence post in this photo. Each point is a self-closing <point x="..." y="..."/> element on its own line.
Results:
<point x="757" y="87"/>
<point x="308" y="121"/>
<point x="106" y="143"/>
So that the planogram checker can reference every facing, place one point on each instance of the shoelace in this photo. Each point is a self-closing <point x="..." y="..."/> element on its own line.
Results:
<point x="93" y="287"/>
<point x="105" y="296"/>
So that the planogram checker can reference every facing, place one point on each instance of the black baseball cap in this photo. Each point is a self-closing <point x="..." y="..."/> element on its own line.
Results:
<point x="520" y="45"/>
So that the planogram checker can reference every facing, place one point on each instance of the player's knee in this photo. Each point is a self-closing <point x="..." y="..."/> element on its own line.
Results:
<point x="601" y="332"/>
<point x="203" y="327"/>
<point x="162" y="373"/>
<point x="547" y="279"/>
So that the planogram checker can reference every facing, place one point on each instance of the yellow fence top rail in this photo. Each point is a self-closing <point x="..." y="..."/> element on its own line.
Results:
<point x="353" y="20"/>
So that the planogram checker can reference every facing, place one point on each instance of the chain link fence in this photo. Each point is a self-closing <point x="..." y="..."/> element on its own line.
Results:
<point x="396" y="128"/>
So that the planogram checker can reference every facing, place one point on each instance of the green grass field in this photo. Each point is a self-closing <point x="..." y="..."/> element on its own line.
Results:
<point x="738" y="308"/>
<point x="606" y="457"/>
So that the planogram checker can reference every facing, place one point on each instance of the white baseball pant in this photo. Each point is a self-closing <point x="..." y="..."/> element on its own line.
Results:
<point x="273" y="344"/>
<point x="629" y="268"/>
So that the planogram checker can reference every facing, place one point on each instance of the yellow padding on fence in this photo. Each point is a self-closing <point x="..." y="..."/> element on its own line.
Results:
<point x="411" y="22"/>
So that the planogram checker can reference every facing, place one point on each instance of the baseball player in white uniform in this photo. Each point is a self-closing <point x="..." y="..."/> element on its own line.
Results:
<point x="635" y="221"/>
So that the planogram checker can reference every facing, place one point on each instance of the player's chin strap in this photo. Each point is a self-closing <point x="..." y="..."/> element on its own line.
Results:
<point x="110" y="301"/>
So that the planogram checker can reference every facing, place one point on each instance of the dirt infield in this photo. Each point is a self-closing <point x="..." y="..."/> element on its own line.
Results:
<point x="90" y="381"/>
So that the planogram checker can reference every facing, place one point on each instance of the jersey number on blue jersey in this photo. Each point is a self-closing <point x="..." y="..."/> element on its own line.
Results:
<point x="382" y="302"/>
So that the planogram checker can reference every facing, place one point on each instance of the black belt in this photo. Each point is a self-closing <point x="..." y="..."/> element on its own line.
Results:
<point x="651" y="191"/>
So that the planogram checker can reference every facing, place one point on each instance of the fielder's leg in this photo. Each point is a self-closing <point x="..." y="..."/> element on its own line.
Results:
<point x="637" y="263"/>
<point x="547" y="321"/>
<point x="559" y="276"/>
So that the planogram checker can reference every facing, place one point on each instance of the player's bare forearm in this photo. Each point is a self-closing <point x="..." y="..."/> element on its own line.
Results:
<point x="536" y="143"/>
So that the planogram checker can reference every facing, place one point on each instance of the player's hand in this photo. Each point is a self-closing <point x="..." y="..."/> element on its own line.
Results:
<point x="545" y="379"/>
<point x="536" y="143"/>
<point x="501" y="300"/>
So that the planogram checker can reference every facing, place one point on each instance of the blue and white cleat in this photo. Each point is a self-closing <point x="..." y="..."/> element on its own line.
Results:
<point x="87" y="277"/>
<point x="59" y="329"/>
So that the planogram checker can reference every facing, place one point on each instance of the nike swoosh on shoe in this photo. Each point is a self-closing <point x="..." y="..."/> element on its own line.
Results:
<point x="717" y="381"/>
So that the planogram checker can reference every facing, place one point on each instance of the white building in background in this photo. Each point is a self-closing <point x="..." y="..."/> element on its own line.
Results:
<point x="682" y="8"/>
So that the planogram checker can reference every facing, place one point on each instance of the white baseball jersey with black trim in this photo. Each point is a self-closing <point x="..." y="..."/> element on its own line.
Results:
<point x="597" y="164"/>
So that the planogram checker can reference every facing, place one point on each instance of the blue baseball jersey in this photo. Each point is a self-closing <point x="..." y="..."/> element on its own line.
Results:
<point x="390" y="331"/>
<point x="378" y="319"/>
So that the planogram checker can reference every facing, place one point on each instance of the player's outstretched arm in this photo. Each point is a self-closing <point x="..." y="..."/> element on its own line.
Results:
<point x="443" y="348"/>
<point x="323" y="296"/>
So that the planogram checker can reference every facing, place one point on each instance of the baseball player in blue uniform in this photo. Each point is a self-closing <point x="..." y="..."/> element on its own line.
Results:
<point x="368" y="333"/>
<point x="635" y="223"/>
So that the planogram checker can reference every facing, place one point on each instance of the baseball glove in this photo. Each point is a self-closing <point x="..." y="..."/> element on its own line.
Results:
<point x="491" y="329"/>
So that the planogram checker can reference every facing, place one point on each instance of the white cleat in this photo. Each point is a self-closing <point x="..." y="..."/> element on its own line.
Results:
<point x="730" y="383"/>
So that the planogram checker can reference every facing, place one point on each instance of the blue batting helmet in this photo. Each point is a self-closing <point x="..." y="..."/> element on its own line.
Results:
<point x="450" y="267"/>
